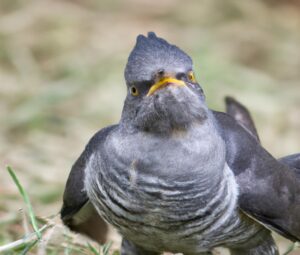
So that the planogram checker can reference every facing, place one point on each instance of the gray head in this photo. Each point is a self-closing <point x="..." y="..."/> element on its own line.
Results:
<point x="163" y="93"/>
<point x="151" y="54"/>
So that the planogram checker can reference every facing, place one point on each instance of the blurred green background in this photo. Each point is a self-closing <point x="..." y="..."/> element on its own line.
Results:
<point x="61" y="79"/>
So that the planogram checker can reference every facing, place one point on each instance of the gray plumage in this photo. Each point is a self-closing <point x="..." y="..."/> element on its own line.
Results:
<point x="176" y="176"/>
<point x="241" y="114"/>
<point x="151" y="54"/>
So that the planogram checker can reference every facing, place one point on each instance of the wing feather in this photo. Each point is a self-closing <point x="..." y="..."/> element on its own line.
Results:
<point x="242" y="115"/>
<point x="77" y="211"/>
<point x="269" y="190"/>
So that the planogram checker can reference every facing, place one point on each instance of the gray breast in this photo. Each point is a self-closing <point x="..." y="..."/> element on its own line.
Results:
<point x="169" y="194"/>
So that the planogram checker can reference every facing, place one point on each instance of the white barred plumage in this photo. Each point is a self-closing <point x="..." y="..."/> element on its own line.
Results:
<point x="193" y="213"/>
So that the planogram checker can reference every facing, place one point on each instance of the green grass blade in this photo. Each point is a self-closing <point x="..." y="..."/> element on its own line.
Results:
<point x="26" y="200"/>
<point x="67" y="248"/>
<point x="106" y="248"/>
<point x="290" y="249"/>
<point x="23" y="242"/>
<point x="93" y="249"/>
<point x="29" y="247"/>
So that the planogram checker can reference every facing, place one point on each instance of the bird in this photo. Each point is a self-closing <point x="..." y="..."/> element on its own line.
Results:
<point x="176" y="176"/>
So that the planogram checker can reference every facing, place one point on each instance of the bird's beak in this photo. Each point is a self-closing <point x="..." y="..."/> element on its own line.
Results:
<point x="163" y="82"/>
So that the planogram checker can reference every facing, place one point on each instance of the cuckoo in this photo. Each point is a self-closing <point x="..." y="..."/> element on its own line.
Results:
<point x="174" y="175"/>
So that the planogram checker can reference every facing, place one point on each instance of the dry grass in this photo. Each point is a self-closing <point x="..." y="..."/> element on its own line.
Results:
<point x="61" y="79"/>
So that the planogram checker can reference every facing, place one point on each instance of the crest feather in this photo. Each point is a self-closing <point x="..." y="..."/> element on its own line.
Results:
<point x="151" y="54"/>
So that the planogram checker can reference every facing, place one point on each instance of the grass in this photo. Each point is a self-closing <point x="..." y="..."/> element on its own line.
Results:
<point x="292" y="248"/>
<point x="39" y="236"/>
<point x="27" y="202"/>
<point x="104" y="251"/>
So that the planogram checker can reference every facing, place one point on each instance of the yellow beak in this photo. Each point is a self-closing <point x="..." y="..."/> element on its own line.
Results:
<point x="166" y="81"/>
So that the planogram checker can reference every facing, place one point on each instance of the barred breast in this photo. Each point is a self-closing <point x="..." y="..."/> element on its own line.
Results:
<point x="168" y="195"/>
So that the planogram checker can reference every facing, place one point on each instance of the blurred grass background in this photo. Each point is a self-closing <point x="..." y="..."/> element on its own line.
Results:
<point x="61" y="79"/>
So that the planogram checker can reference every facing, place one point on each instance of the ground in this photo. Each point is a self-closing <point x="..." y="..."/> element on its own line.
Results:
<point x="61" y="79"/>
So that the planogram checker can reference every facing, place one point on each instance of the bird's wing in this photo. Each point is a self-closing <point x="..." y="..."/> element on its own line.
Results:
<point x="77" y="211"/>
<point x="242" y="115"/>
<point x="268" y="191"/>
<point x="292" y="161"/>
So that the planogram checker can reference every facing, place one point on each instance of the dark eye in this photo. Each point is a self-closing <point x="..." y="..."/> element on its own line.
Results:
<point x="181" y="76"/>
<point x="134" y="91"/>
<point x="161" y="72"/>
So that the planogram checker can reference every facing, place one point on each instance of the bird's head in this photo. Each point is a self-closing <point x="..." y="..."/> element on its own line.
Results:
<point x="163" y="93"/>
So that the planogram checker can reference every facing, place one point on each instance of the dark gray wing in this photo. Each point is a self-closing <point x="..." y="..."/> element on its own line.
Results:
<point x="269" y="191"/>
<point x="77" y="211"/>
<point x="242" y="115"/>
<point x="292" y="161"/>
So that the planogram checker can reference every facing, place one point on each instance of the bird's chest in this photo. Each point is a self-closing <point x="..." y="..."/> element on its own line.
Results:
<point x="153" y="178"/>
<point x="160" y="193"/>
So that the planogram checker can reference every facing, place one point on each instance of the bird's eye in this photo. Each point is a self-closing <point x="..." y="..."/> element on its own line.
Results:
<point x="160" y="72"/>
<point x="134" y="91"/>
<point x="191" y="76"/>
